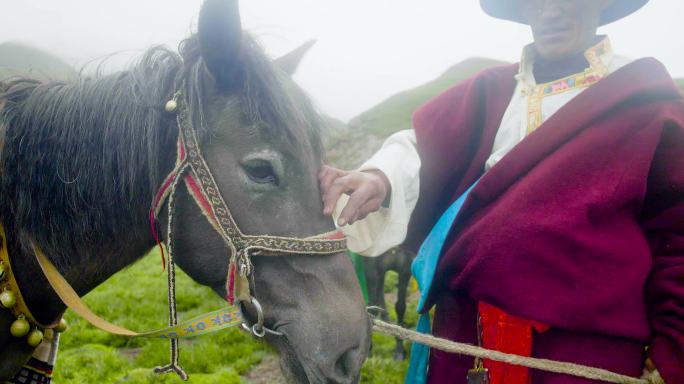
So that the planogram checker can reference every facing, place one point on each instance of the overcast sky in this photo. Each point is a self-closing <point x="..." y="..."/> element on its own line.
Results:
<point x="367" y="50"/>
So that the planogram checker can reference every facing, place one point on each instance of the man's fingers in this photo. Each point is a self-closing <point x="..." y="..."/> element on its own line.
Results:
<point x="344" y="184"/>
<point x="366" y="209"/>
<point x="327" y="176"/>
<point x="365" y="189"/>
<point x="371" y="206"/>
<point x="327" y="180"/>
<point x="351" y="211"/>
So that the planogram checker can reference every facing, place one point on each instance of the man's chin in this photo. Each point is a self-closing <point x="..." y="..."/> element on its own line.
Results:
<point x="555" y="51"/>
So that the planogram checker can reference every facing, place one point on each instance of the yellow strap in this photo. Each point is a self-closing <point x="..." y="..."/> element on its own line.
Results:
<point x="206" y="323"/>
<point x="10" y="283"/>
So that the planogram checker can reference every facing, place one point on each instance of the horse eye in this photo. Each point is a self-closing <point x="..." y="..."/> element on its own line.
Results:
<point x="261" y="172"/>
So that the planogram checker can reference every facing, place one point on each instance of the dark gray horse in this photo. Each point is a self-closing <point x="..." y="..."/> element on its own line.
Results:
<point x="81" y="161"/>
<point x="397" y="259"/>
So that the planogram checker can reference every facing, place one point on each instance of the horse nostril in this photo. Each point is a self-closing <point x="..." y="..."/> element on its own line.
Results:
<point x="349" y="363"/>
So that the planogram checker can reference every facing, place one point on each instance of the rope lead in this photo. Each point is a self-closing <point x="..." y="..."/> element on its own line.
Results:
<point x="572" y="369"/>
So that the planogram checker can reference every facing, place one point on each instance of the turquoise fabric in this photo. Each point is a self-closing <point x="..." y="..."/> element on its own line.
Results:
<point x="423" y="269"/>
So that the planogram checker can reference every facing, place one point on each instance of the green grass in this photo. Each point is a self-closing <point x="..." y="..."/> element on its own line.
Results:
<point x="136" y="298"/>
<point x="381" y="368"/>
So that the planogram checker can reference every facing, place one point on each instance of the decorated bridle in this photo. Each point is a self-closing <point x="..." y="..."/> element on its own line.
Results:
<point x="192" y="170"/>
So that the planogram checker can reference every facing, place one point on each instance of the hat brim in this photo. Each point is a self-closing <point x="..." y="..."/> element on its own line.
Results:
<point x="511" y="10"/>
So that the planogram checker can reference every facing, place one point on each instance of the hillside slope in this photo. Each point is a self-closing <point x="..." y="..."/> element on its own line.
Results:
<point x="395" y="113"/>
<point x="349" y="146"/>
<point x="364" y="134"/>
<point x="19" y="59"/>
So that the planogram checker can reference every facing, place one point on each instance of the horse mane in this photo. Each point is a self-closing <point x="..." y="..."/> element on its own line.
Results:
<point x="81" y="160"/>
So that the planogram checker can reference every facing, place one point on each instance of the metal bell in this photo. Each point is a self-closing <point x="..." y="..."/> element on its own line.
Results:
<point x="20" y="327"/>
<point x="7" y="299"/>
<point x="35" y="337"/>
<point x="62" y="326"/>
<point x="171" y="106"/>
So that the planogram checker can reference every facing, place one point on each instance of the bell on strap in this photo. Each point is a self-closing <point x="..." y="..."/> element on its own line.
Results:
<point x="478" y="375"/>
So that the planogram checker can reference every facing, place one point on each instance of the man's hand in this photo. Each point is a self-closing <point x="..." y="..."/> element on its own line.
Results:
<point x="367" y="191"/>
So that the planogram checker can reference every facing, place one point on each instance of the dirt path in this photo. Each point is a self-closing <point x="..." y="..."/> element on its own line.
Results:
<point x="266" y="372"/>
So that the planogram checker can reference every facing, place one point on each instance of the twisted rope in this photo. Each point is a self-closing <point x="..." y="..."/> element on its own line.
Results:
<point x="174" y="351"/>
<point x="529" y="362"/>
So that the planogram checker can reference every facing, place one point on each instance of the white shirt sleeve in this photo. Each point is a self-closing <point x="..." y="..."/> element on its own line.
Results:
<point x="398" y="159"/>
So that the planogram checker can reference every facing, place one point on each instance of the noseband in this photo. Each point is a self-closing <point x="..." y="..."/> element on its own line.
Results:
<point x="192" y="170"/>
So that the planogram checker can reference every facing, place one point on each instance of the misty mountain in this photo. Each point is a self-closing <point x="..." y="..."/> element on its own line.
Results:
<point x="349" y="147"/>
<point x="19" y="59"/>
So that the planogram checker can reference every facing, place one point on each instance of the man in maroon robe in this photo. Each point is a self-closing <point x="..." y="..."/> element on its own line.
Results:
<point x="574" y="232"/>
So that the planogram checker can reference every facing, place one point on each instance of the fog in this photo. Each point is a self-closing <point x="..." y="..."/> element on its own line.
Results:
<point x="366" y="50"/>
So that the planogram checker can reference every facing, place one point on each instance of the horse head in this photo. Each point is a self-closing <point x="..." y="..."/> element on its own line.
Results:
<point x="259" y="135"/>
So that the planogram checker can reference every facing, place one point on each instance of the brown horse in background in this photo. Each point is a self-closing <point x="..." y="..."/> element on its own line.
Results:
<point x="397" y="259"/>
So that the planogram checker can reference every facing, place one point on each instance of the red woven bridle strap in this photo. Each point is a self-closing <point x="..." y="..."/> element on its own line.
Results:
<point x="201" y="185"/>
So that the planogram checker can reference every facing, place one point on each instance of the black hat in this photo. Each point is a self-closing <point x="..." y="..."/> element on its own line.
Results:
<point x="511" y="9"/>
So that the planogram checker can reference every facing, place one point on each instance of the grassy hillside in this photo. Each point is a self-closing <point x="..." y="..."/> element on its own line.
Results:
<point x="331" y="125"/>
<point x="395" y="113"/>
<point x="349" y="147"/>
<point x="136" y="298"/>
<point x="20" y="59"/>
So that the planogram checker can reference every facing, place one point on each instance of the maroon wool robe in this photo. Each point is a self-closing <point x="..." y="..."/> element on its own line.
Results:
<point x="580" y="226"/>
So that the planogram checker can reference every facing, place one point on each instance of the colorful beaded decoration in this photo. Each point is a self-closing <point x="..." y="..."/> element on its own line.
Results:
<point x="597" y="70"/>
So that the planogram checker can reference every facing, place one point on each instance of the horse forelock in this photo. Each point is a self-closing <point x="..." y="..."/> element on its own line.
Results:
<point x="269" y="99"/>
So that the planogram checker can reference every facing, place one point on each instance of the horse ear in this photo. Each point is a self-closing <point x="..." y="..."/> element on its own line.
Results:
<point x="290" y="61"/>
<point x="220" y="38"/>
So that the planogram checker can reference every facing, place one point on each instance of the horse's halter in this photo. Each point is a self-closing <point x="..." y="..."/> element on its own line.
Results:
<point x="192" y="170"/>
